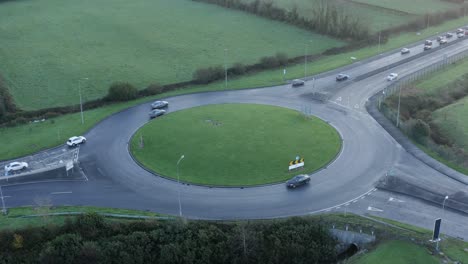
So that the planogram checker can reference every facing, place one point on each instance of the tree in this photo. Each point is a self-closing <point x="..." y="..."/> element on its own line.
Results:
<point x="62" y="250"/>
<point x="121" y="91"/>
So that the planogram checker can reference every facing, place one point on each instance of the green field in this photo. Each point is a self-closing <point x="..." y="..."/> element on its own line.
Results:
<point x="49" y="45"/>
<point x="376" y="17"/>
<point x="235" y="144"/>
<point x="453" y="120"/>
<point x="397" y="252"/>
<point x="413" y="6"/>
<point x="38" y="136"/>
<point x="440" y="80"/>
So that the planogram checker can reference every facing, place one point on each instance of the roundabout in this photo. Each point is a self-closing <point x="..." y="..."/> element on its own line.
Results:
<point x="235" y="144"/>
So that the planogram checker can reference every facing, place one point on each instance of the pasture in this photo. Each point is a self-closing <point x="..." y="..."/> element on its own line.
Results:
<point x="49" y="47"/>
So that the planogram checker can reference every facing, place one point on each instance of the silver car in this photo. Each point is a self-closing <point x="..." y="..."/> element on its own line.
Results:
<point x="156" y="112"/>
<point x="159" y="104"/>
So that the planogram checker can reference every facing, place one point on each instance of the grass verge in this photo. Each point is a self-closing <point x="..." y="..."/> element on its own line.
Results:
<point x="235" y="144"/>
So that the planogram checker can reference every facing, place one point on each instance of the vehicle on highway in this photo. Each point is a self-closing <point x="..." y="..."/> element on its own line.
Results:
<point x="342" y="77"/>
<point x="449" y="35"/>
<point x="16" y="166"/>
<point x="460" y="30"/>
<point x="159" y="104"/>
<point x="156" y="112"/>
<point x="466" y="32"/>
<point x="439" y="38"/>
<point x="443" y="41"/>
<point x="428" y="42"/>
<point x="297" y="82"/>
<point x="298" y="180"/>
<point x="427" y="47"/>
<point x="74" y="141"/>
<point x="460" y="35"/>
<point x="392" y="76"/>
<point x="405" y="51"/>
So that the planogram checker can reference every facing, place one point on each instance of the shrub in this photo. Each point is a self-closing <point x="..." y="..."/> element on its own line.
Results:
<point x="121" y="91"/>
<point x="269" y="62"/>
<point x="419" y="130"/>
<point x="152" y="89"/>
<point x="209" y="74"/>
<point x="238" y="69"/>
<point x="282" y="58"/>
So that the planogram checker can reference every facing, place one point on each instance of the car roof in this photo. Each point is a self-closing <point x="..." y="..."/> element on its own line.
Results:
<point x="14" y="163"/>
<point x="73" y="138"/>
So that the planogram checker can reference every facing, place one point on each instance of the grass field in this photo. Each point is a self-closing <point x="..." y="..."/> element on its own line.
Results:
<point x="235" y="144"/>
<point x="413" y="6"/>
<point x="453" y="120"/>
<point x="374" y="16"/>
<point x="397" y="252"/>
<point x="38" y="136"/>
<point x="49" y="45"/>
<point x="440" y="79"/>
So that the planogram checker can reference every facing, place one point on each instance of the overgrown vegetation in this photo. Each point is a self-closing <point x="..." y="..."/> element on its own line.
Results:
<point x="91" y="239"/>
<point x="418" y="121"/>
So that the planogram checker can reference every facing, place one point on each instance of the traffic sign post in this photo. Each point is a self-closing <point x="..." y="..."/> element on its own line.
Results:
<point x="436" y="232"/>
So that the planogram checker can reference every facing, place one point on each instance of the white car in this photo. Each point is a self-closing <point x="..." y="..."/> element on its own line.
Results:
<point x="392" y="76"/>
<point x="159" y="104"/>
<point x="405" y="51"/>
<point x="460" y="35"/>
<point x="73" y="141"/>
<point x="16" y="166"/>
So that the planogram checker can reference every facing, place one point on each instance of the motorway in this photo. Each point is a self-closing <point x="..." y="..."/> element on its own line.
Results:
<point x="348" y="183"/>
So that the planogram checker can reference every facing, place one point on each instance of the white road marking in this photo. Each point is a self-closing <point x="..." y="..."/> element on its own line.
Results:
<point x="339" y="206"/>
<point x="391" y="199"/>
<point x="355" y="201"/>
<point x="339" y="99"/>
<point x="69" y="192"/>
<point x="374" y="209"/>
<point x="356" y="106"/>
<point x="346" y="204"/>
<point x="6" y="196"/>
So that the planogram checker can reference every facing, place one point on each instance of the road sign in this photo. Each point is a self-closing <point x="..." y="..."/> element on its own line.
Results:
<point x="69" y="165"/>
<point x="435" y="234"/>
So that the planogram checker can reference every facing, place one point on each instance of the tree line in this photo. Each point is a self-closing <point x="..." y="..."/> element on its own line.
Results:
<point x="91" y="239"/>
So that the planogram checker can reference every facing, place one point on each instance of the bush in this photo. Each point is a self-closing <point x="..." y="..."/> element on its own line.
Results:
<point x="207" y="75"/>
<point x="269" y="62"/>
<point x="282" y="58"/>
<point x="121" y="91"/>
<point x="238" y="69"/>
<point x="152" y="89"/>
<point x="419" y="130"/>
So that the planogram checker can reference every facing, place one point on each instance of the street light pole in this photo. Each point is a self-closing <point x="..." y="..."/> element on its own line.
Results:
<point x="398" y="114"/>
<point x="443" y="205"/>
<point x="81" y="101"/>
<point x="178" y="185"/>
<point x="305" y="61"/>
<point x="380" y="32"/>
<point x="225" y="68"/>
<point x="4" y="211"/>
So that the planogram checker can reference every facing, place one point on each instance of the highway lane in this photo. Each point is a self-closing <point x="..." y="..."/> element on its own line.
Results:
<point x="117" y="181"/>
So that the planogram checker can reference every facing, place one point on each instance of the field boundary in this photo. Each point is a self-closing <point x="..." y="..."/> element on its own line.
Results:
<point x="398" y="12"/>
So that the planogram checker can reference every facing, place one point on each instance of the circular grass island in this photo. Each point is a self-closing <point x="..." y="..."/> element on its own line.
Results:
<point x="234" y="144"/>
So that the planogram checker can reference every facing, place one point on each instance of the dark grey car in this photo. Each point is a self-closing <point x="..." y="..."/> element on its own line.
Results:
<point x="342" y="77"/>
<point x="297" y="82"/>
<point x="298" y="180"/>
<point x="156" y="112"/>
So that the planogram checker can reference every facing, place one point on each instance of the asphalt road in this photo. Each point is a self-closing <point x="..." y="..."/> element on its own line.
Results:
<point x="115" y="180"/>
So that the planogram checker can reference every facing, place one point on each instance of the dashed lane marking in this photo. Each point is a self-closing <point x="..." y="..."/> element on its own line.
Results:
<point x="54" y="193"/>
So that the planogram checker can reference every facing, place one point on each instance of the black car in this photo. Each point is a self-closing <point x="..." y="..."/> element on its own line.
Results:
<point x="298" y="180"/>
<point x="449" y="35"/>
<point x="297" y="82"/>
<point x="342" y="77"/>
<point x="159" y="104"/>
<point x="156" y="112"/>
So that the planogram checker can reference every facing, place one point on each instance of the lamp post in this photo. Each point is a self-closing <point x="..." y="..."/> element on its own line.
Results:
<point x="178" y="185"/>
<point x="380" y="32"/>
<point x="398" y="112"/>
<point x="4" y="211"/>
<point x="225" y="68"/>
<point x="81" y="101"/>
<point x="443" y="205"/>
<point x="305" y="57"/>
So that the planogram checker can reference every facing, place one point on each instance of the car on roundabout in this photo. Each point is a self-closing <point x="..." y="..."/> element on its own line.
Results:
<point x="449" y="35"/>
<point x="156" y="112"/>
<point x="342" y="77"/>
<point x="298" y="180"/>
<point x="159" y="104"/>
<point x="297" y="82"/>
<point x="405" y="51"/>
<point x="427" y="47"/>
<point x="75" y="141"/>
<point x="392" y="76"/>
<point x="443" y="41"/>
<point x="460" y="35"/>
<point x="16" y="166"/>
